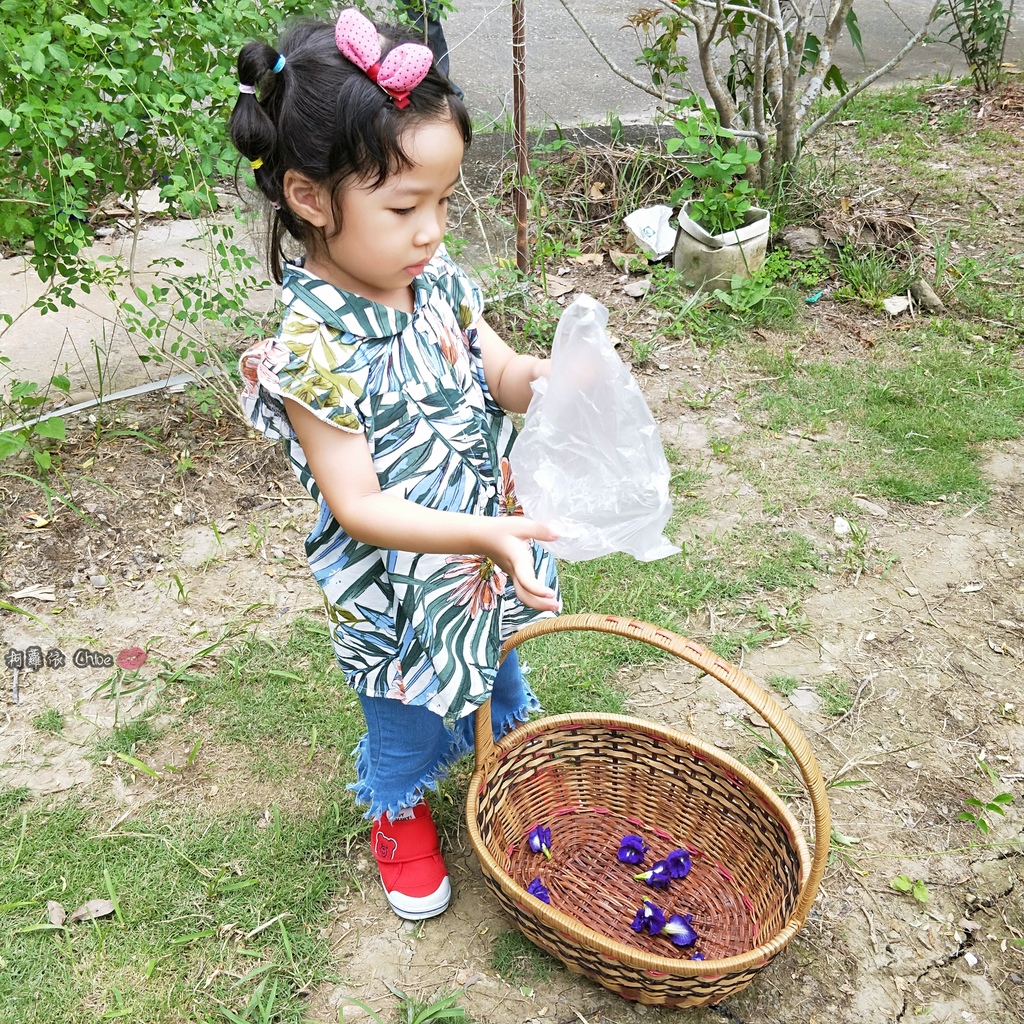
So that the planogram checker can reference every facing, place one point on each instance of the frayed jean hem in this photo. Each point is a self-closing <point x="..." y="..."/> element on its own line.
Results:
<point x="408" y="750"/>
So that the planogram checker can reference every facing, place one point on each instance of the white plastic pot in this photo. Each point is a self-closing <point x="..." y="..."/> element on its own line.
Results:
<point x="709" y="261"/>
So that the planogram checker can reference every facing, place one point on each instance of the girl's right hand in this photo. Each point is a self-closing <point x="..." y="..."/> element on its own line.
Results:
<point x="511" y="551"/>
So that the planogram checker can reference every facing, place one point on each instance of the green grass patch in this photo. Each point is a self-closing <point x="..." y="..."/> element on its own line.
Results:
<point x="210" y="912"/>
<point x="518" y="960"/>
<point x="885" y="113"/>
<point x="836" y="695"/>
<point x="50" y="720"/>
<point x="282" y="698"/>
<point x="923" y="421"/>
<point x="783" y="684"/>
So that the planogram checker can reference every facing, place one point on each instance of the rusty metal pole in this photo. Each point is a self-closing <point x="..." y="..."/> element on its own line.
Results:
<point x="519" y="203"/>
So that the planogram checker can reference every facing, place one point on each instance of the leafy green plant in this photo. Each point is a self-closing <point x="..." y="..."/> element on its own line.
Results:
<point x="981" y="28"/>
<point x="18" y="432"/>
<point x="997" y="805"/>
<point x="717" y="161"/>
<point x="113" y="97"/>
<point x="916" y="887"/>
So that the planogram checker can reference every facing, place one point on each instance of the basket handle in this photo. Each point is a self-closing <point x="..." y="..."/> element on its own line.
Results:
<point x="730" y="676"/>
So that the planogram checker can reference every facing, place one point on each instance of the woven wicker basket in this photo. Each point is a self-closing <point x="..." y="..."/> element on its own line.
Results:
<point x="593" y="778"/>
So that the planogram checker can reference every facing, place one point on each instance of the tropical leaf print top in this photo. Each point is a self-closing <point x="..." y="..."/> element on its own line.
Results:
<point x="425" y="629"/>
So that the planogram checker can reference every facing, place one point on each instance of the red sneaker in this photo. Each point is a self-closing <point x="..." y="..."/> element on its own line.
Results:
<point x="412" y="870"/>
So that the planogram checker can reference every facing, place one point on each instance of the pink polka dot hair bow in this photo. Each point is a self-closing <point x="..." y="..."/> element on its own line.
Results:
<point x="401" y="70"/>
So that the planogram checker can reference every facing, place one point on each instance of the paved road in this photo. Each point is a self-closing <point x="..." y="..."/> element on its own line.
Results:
<point x="567" y="83"/>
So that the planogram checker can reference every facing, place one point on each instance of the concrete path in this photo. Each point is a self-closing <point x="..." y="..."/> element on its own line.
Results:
<point x="567" y="84"/>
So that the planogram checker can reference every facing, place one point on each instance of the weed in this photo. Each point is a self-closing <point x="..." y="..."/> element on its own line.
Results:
<point x="835" y="693"/>
<point x="871" y="275"/>
<point x="412" y="1011"/>
<point x="841" y="847"/>
<point x="916" y="887"/>
<point x="50" y="720"/>
<point x="782" y="266"/>
<point x="518" y="960"/>
<point x="783" y="684"/>
<point x="976" y="816"/>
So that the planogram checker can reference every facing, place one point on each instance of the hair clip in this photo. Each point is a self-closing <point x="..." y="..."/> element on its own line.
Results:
<point x="401" y="70"/>
<point x="257" y="163"/>
<point x="279" y="66"/>
<point x="249" y="90"/>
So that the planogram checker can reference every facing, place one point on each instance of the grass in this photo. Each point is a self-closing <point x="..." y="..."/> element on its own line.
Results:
<point x="924" y="412"/>
<point x="835" y="693"/>
<point x="221" y="881"/>
<point x="208" y="906"/>
<point x="50" y="720"/>
<point x="518" y="960"/>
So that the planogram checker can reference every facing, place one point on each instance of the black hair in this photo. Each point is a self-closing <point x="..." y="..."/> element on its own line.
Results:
<point x="321" y="115"/>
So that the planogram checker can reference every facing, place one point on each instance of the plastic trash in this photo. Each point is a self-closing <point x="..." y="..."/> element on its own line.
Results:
<point x="651" y="228"/>
<point x="589" y="461"/>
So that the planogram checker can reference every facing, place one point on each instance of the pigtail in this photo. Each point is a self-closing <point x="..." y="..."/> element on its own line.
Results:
<point x="253" y="129"/>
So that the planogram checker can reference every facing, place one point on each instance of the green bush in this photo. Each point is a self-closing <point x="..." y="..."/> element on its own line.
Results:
<point x="112" y="98"/>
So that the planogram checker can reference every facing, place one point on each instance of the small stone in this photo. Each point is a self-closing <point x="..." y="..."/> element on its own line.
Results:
<point x="841" y="527"/>
<point x="801" y="239"/>
<point x="924" y="295"/>
<point x="871" y="508"/>
<point x="99" y="581"/>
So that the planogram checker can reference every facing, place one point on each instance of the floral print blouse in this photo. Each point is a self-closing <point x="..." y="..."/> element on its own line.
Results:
<point x="423" y="628"/>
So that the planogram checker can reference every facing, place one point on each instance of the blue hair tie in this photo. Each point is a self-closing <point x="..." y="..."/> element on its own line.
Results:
<point x="279" y="66"/>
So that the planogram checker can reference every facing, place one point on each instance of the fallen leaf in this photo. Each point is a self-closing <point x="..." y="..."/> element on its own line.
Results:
<point x="557" y="288"/>
<point x="636" y="289"/>
<point x="588" y="259"/>
<point x="91" y="910"/>
<point x="597" y="190"/>
<point x="55" y="912"/>
<point x="37" y="592"/>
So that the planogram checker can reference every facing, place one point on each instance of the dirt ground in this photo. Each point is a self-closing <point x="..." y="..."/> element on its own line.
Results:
<point x="929" y="626"/>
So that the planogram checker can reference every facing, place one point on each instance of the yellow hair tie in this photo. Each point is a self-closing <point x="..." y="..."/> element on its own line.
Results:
<point x="257" y="163"/>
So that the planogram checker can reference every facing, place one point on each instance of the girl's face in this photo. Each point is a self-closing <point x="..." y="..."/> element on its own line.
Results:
<point x="390" y="233"/>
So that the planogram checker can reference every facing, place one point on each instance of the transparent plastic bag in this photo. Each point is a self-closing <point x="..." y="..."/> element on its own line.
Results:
<point x="588" y="461"/>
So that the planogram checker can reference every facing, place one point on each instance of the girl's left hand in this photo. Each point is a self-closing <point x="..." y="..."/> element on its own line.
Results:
<point x="510" y="549"/>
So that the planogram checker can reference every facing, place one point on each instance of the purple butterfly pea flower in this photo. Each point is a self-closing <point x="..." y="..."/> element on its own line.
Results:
<point x="678" y="862"/>
<point x="678" y="929"/>
<point x="657" y="877"/>
<point x="697" y="956"/>
<point x="649" y="918"/>
<point x="539" y="840"/>
<point x="632" y="849"/>
<point x="539" y="889"/>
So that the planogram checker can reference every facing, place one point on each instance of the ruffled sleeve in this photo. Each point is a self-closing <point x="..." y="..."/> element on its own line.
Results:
<point x="304" y="364"/>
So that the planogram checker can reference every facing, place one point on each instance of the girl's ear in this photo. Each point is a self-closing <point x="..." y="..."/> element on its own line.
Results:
<point x="306" y="198"/>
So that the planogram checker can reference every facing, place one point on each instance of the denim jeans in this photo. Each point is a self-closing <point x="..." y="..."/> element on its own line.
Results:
<point x="407" y="749"/>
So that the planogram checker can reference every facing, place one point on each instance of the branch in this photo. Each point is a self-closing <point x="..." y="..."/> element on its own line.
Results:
<point x="624" y="75"/>
<point x="830" y="114"/>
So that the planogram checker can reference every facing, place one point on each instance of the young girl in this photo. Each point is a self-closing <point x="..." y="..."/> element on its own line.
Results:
<point x="387" y="388"/>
